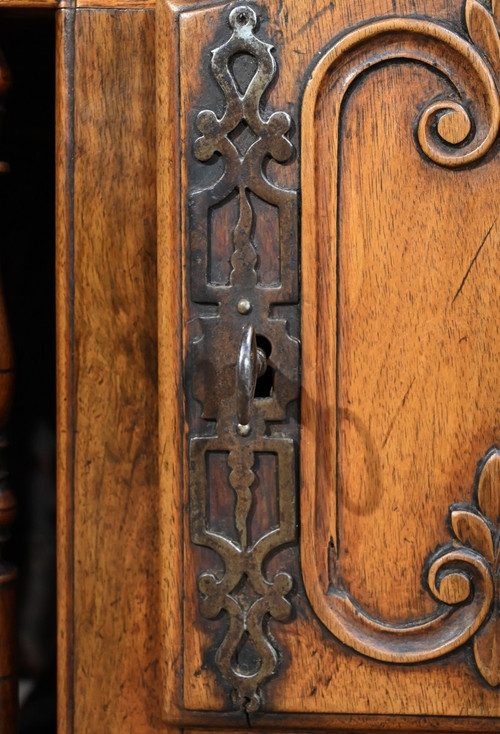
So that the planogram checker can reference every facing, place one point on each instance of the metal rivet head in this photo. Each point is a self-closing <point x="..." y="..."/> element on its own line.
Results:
<point x="242" y="16"/>
<point x="243" y="429"/>
<point x="244" y="306"/>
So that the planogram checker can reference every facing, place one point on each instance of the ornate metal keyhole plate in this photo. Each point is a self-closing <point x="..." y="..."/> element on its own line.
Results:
<point x="227" y="360"/>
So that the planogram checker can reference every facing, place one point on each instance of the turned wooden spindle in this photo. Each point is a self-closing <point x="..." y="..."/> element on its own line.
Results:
<point x="8" y="573"/>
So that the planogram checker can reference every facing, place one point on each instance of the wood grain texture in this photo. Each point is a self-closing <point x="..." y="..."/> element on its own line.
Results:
<point x="68" y="4"/>
<point x="172" y="465"/>
<point x="381" y="340"/>
<point x="64" y="355"/>
<point x="334" y="730"/>
<point x="116" y="4"/>
<point x="29" y="4"/>
<point x="116" y="572"/>
<point x="339" y="724"/>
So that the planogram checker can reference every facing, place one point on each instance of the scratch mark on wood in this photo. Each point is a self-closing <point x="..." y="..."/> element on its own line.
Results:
<point x="313" y="18"/>
<point x="401" y="406"/>
<point x="472" y="262"/>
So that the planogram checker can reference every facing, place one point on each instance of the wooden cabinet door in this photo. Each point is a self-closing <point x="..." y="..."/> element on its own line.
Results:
<point x="310" y="541"/>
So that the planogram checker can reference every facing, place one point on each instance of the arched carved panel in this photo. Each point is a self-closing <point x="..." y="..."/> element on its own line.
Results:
<point x="345" y="367"/>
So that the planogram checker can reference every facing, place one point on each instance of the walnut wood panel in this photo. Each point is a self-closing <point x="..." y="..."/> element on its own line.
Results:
<point x="367" y="461"/>
<point x="107" y="408"/>
<point x="64" y="335"/>
<point x="171" y="430"/>
<point x="381" y="169"/>
<point x="28" y="4"/>
<point x="353" y="724"/>
<point x="275" y="731"/>
<point x="63" y="4"/>
<point x="116" y="4"/>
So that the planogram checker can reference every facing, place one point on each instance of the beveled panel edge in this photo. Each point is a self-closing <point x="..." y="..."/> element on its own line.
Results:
<point x="65" y="409"/>
<point x="281" y="730"/>
<point x="172" y="464"/>
<point x="79" y="4"/>
<point x="294" y="723"/>
<point x="27" y="4"/>
<point x="120" y="5"/>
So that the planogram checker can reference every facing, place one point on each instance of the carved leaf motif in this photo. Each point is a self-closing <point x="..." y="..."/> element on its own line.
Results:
<point x="472" y="530"/>
<point x="483" y="31"/>
<point x="487" y="650"/>
<point x="488" y="491"/>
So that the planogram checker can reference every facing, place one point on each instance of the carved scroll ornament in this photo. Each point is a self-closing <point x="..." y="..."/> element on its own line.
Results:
<point x="226" y="362"/>
<point x="457" y="131"/>
<point x="462" y="576"/>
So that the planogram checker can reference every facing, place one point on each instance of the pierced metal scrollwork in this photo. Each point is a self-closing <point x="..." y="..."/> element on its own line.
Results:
<point x="228" y="357"/>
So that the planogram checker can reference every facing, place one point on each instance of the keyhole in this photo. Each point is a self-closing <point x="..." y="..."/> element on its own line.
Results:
<point x="265" y="383"/>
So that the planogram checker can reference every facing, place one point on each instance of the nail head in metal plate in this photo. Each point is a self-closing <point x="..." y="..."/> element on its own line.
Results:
<point x="244" y="306"/>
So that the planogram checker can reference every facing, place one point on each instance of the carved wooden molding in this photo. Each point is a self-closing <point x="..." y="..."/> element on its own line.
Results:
<point x="477" y="527"/>
<point x="224" y="360"/>
<point x="452" y="132"/>
<point x="461" y="576"/>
